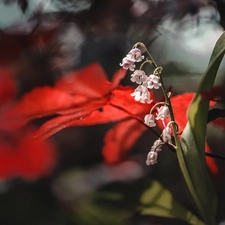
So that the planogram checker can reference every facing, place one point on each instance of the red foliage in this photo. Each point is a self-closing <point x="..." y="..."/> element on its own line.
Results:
<point x="84" y="98"/>
<point x="119" y="139"/>
<point x="217" y="94"/>
<point x="180" y="105"/>
<point x="12" y="45"/>
<point x="7" y="87"/>
<point x="20" y="154"/>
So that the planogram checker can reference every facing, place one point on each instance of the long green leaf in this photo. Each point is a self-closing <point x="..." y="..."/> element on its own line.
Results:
<point x="158" y="201"/>
<point x="191" y="154"/>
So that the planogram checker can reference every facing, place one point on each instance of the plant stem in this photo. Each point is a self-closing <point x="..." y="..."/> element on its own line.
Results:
<point x="167" y="98"/>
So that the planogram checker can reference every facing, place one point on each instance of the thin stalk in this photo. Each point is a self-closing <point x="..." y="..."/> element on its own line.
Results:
<point x="167" y="98"/>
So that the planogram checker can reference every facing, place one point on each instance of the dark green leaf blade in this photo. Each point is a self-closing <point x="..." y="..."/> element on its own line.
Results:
<point x="158" y="201"/>
<point x="191" y="155"/>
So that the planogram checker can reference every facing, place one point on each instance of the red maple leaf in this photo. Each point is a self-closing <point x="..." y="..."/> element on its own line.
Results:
<point x="180" y="105"/>
<point x="217" y="94"/>
<point x="7" y="87"/>
<point x="86" y="97"/>
<point x="20" y="154"/>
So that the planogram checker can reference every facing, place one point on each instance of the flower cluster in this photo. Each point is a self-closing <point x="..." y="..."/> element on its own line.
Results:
<point x="142" y="94"/>
<point x="149" y="119"/>
<point x="139" y="76"/>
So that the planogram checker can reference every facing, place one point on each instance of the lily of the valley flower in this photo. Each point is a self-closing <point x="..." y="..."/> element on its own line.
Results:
<point x="133" y="56"/>
<point x="136" y="54"/>
<point x="150" y="120"/>
<point x="153" y="82"/>
<point x="128" y="63"/>
<point x="152" y="158"/>
<point x="157" y="145"/>
<point x="138" y="76"/>
<point x="166" y="134"/>
<point x="163" y="112"/>
<point x="153" y="154"/>
<point x="142" y="94"/>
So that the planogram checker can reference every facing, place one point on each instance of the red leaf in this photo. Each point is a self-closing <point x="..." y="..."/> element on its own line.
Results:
<point x="117" y="77"/>
<point x="220" y="122"/>
<point x="105" y="113"/>
<point x="121" y="98"/>
<point x="21" y="156"/>
<point x="215" y="93"/>
<point x="120" y="139"/>
<point x="211" y="162"/>
<point x="40" y="102"/>
<point x="55" y="125"/>
<point x="7" y="87"/>
<point x="180" y="105"/>
<point x="90" y="84"/>
<point x="90" y="81"/>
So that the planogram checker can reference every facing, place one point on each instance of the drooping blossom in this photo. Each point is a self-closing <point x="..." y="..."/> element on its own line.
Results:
<point x="149" y="119"/>
<point x="138" y="76"/>
<point x="142" y="94"/>
<point x="127" y="63"/>
<point x="152" y="82"/>
<point x="152" y="158"/>
<point x="133" y="56"/>
<point x="157" y="145"/>
<point x="166" y="134"/>
<point x="163" y="112"/>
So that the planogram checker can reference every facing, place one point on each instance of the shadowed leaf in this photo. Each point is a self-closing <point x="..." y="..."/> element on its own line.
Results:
<point x="191" y="155"/>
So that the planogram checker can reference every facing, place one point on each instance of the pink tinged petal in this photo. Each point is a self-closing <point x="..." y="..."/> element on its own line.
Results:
<point x="136" y="54"/>
<point x="128" y="63"/>
<point x="157" y="145"/>
<point x="166" y="134"/>
<point x="121" y="96"/>
<point x="152" y="158"/>
<point x="142" y="94"/>
<point x="163" y="112"/>
<point x="153" y="82"/>
<point x="150" y="120"/>
<point x="138" y="76"/>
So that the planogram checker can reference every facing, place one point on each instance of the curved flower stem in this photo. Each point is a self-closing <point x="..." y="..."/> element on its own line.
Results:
<point x="170" y="145"/>
<point x="136" y="118"/>
<point x="177" y="127"/>
<point x="158" y="103"/>
<point x="146" y="61"/>
<point x="167" y="96"/>
<point x="143" y="46"/>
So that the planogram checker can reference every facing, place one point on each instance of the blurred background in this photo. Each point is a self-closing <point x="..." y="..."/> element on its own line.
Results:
<point x="40" y="41"/>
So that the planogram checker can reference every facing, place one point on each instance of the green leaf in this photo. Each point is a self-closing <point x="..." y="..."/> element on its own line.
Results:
<point x="158" y="201"/>
<point x="191" y="154"/>
<point x="89" y="213"/>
